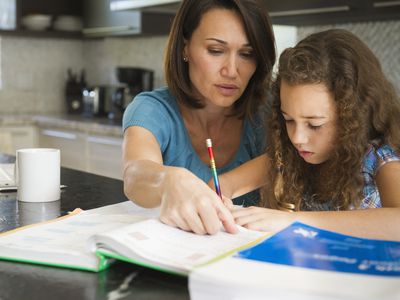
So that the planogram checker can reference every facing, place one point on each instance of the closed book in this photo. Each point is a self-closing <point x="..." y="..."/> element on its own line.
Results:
<point x="304" y="262"/>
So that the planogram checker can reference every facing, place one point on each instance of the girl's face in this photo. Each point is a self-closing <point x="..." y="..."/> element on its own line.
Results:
<point x="220" y="58"/>
<point x="310" y="114"/>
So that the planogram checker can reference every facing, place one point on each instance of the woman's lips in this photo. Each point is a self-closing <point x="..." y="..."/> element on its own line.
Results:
<point x="227" y="89"/>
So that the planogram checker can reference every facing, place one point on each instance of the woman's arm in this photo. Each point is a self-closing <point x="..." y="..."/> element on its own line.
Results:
<point x="186" y="201"/>
<point x="245" y="178"/>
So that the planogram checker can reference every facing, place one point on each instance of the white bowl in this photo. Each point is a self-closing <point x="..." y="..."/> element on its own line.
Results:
<point x="36" y="22"/>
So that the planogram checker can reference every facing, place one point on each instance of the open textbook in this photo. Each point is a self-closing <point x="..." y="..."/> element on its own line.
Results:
<point x="90" y="240"/>
<point x="303" y="262"/>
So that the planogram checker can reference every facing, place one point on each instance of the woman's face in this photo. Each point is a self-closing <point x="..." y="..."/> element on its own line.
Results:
<point x="309" y="111"/>
<point x="220" y="58"/>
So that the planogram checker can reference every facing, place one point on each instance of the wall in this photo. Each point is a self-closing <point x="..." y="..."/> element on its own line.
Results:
<point x="33" y="73"/>
<point x="33" y="70"/>
<point x="102" y="56"/>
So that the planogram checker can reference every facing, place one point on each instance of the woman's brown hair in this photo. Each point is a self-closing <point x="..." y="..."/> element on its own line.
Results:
<point x="259" y="32"/>
<point x="368" y="110"/>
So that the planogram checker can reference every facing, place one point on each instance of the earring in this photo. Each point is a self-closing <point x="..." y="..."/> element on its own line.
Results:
<point x="185" y="59"/>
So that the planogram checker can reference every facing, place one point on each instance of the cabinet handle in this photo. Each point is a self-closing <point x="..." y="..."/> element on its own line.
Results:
<point x="59" y="134"/>
<point x="104" y="141"/>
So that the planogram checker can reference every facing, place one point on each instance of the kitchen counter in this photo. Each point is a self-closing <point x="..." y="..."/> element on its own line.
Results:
<point x="120" y="281"/>
<point x="102" y="126"/>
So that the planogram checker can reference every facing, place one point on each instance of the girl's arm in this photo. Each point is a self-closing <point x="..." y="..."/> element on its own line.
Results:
<point x="245" y="178"/>
<point x="374" y="223"/>
<point x="378" y="223"/>
<point x="186" y="201"/>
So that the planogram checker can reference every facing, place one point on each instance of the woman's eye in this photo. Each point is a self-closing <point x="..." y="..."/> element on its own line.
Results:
<point x="215" y="51"/>
<point x="247" y="54"/>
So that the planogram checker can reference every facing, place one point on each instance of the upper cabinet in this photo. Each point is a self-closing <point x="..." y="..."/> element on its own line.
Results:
<point x="80" y="19"/>
<point x="61" y="18"/>
<point x="319" y="12"/>
<point x="100" y="20"/>
<point x="299" y="12"/>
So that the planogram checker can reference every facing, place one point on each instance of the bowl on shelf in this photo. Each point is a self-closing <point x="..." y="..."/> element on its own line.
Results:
<point x="36" y="22"/>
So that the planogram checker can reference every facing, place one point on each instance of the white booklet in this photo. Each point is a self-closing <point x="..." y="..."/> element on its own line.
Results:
<point x="89" y="240"/>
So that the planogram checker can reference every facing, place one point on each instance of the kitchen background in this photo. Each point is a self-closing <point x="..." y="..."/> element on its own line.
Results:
<point x="33" y="66"/>
<point x="33" y="70"/>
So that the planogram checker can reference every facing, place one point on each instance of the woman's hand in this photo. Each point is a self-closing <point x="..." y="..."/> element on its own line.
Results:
<point x="188" y="203"/>
<point x="263" y="219"/>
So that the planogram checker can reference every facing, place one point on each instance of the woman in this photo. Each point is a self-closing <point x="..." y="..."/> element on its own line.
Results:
<point x="218" y="67"/>
<point x="334" y="143"/>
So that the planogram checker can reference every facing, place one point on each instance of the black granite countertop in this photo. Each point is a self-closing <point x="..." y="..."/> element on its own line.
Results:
<point x="120" y="281"/>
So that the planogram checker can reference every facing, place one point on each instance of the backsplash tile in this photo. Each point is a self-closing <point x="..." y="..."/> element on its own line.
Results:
<point x="34" y="70"/>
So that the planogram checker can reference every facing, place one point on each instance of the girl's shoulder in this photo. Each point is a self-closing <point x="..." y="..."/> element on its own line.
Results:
<point x="378" y="155"/>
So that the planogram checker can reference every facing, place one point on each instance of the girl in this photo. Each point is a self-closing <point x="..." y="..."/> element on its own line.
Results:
<point x="334" y="143"/>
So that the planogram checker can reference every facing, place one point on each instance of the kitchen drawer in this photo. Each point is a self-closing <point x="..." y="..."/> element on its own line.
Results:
<point x="72" y="145"/>
<point x="105" y="155"/>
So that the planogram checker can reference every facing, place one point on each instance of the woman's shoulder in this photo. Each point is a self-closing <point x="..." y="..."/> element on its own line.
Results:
<point x="160" y="95"/>
<point x="152" y="107"/>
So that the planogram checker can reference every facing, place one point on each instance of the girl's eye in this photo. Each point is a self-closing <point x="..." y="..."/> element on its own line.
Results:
<point x="288" y="121"/>
<point x="314" y="127"/>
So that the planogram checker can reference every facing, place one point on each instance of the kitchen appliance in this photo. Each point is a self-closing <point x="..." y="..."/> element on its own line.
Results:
<point x="97" y="101"/>
<point x="134" y="80"/>
<point x="73" y="92"/>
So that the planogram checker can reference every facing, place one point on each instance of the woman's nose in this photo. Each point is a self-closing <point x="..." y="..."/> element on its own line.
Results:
<point x="230" y="67"/>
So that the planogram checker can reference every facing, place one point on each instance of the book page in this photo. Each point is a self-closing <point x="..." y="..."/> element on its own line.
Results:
<point x="156" y="243"/>
<point x="67" y="235"/>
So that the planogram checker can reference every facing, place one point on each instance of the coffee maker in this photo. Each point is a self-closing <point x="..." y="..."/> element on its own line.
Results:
<point x="134" y="81"/>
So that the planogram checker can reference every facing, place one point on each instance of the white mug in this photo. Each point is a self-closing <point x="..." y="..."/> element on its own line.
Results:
<point x="37" y="174"/>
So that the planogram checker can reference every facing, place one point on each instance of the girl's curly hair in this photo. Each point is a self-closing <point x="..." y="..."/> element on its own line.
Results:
<point x="367" y="107"/>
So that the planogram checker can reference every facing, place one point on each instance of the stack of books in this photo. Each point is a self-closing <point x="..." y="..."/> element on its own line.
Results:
<point x="304" y="262"/>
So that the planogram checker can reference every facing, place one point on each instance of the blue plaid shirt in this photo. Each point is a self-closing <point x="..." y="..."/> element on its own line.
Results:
<point x="375" y="158"/>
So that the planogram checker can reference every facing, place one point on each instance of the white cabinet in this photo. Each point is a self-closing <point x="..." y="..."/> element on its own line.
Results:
<point x="72" y="145"/>
<point x="104" y="156"/>
<point x="98" y="154"/>
<point x="80" y="149"/>
<point x="17" y="137"/>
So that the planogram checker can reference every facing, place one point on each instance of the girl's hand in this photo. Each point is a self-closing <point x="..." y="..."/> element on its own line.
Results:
<point x="263" y="219"/>
<point x="188" y="203"/>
